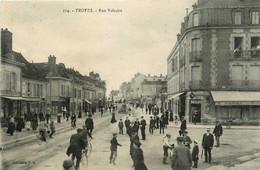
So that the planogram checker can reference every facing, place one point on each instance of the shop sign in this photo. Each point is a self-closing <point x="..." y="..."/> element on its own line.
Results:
<point x="195" y="101"/>
<point x="230" y="103"/>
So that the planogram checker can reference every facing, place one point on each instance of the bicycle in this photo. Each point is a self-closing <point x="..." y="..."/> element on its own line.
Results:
<point x="40" y="138"/>
<point x="86" y="154"/>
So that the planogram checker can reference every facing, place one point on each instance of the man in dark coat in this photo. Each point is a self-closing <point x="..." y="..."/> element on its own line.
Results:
<point x="77" y="144"/>
<point x="183" y="126"/>
<point x="218" y="131"/>
<point x="186" y="139"/>
<point x="133" y="139"/>
<point x="120" y="126"/>
<point x="195" y="154"/>
<point x="41" y="116"/>
<point x="157" y="120"/>
<point x="113" y="148"/>
<point x="47" y="117"/>
<point x="136" y="125"/>
<point x="207" y="144"/>
<point x="143" y="124"/>
<point x="181" y="156"/>
<point x="89" y="124"/>
<point x="11" y="126"/>
<point x="162" y="125"/>
<point x="138" y="157"/>
<point x="151" y="126"/>
<point x="127" y="125"/>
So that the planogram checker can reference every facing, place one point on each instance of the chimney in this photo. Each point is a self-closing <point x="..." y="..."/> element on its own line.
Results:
<point x="194" y="6"/>
<point x="178" y="37"/>
<point x="52" y="60"/>
<point x="6" y="41"/>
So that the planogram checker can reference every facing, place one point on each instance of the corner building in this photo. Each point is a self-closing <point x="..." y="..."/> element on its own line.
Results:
<point x="214" y="68"/>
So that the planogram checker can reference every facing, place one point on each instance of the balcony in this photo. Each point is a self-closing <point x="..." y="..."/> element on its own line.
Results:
<point x="195" y="84"/>
<point x="245" y="54"/>
<point x="195" y="56"/>
<point x="255" y="53"/>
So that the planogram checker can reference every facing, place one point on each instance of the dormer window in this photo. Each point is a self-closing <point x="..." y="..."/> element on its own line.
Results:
<point x="255" y="17"/>
<point x="237" y="17"/>
<point x="195" y="19"/>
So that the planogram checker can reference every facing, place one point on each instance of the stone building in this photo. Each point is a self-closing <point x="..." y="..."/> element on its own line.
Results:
<point x="214" y="67"/>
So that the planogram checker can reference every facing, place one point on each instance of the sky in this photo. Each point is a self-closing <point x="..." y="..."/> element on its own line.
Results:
<point x="116" y="45"/>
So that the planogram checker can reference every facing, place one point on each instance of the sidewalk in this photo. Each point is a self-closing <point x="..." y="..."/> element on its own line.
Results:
<point x="6" y="139"/>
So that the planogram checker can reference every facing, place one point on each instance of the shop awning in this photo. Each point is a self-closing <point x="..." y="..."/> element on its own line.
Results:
<point x="229" y="98"/>
<point x="13" y="97"/>
<point x="88" y="101"/>
<point x="175" y="95"/>
<point x="29" y="99"/>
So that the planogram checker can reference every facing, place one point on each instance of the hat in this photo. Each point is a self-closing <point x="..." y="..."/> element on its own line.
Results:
<point x="180" y="139"/>
<point x="169" y="135"/>
<point x="79" y="130"/>
<point x="208" y="129"/>
<point x="67" y="164"/>
<point x="142" y="117"/>
<point x="195" y="141"/>
<point x="114" y="134"/>
<point x="185" y="131"/>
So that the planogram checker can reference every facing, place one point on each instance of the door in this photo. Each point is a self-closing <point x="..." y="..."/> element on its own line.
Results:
<point x="195" y="113"/>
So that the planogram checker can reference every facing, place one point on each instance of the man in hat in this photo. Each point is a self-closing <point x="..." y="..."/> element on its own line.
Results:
<point x="183" y="126"/>
<point x="151" y="126"/>
<point x="186" y="139"/>
<point x="181" y="156"/>
<point x="166" y="146"/>
<point x="113" y="148"/>
<point x="207" y="144"/>
<point x="143" y="124"/>
<point x="218" y="130"/>
<point x="120" y="126"/>
<point x="127" y="125"/>
<point x="89" y="124"/>
<point x="136" y="125"/>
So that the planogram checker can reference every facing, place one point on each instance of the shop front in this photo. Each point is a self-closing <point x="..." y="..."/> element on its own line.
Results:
<point x="239" y="106"/>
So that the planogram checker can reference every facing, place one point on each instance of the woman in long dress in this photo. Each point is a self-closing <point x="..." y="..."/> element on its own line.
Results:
<point x="113" y="119"/>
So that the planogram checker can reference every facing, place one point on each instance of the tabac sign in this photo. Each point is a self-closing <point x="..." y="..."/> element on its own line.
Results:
<point x="231" y="103"/>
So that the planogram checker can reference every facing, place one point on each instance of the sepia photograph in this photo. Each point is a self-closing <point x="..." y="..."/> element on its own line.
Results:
<point x="130" y="85"/>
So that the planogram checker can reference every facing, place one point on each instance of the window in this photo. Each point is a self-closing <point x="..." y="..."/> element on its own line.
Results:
<point x="79" y="94"/>
<point x="75" y="92"/>
<point x="41" y="91"/>
<point x="195" y="19"/>
<point x="195" y="44"/>
<point x="238" y="43"/>
<point x="174" y="64"/>
<point x="238" y="18"/>
<point x="34" y="90"/>
<point x="255" y="17"/>
<point x="37" y="90"/>
<point x="255" y="43"/>
<point x="13" y="82"/>
<point x="68" y="90"/>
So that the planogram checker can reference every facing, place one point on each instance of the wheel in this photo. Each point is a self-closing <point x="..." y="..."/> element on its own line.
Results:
<point x="39" y="139"/>
<point x="89" y="150"/>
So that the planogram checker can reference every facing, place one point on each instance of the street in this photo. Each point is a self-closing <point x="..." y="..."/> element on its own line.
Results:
<point x="238" y="149"/>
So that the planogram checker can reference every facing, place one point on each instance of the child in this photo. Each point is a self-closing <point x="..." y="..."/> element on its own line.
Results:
<point x="113" y="148"/>
<point x="195" y="154"/>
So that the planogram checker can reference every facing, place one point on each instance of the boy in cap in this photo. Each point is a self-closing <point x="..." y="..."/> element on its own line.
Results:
<point x="113" y="148"/>
<point x="195" y="154"/>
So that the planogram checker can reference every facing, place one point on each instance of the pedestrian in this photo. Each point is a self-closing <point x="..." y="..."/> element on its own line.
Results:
<point x="186" y="139"/>
<point x="43" y="129"/>
<point x="146" y="110"/>
<point x="80" y="114"/>
<point x="176" y="120"/>
<point x="151" y="125"/>
<point x="194" y="117"/>
<point x="101" y="111"/>
<point x="19" y="124"/>
<point x="47" y="117"/>
<point x="136" y="125"/>
<point x="34" y="122"/>
<point x="59" y="117"/>
<point x="127" y="125"/>
<point x="166" y="146"/>
<point x="138" y="157"/>
<point x="73" y="119"/>
<point x="28" y="121"/>
<point x="67" y="115"/>
<point x="68" y="165"/>
<point x="166" y="119"/>
<point x="41" y="116"/>
<point x="120" y="126"/>
<point x="157" y="120"/>
<point x="195" y="154"/>
<point x="161" y="125"/>
<point x="134" y="138"/>
<point x="89" y="124"/>
<point x="142" y="125"/>
<point x="181" y="157"/>
<point x="207" y="144"/>
<point x="183" y="126"/>
<point x="52" y="127"/>
<point x="113" y="149"/>
<point x="77" y="144"/>
<point x="218" y="131"/>
<point x="113" y="119"/>
<point x="11" y="126"/>
<point x="171" y="116"/>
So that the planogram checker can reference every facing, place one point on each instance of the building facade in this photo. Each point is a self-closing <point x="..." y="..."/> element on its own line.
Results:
<point x="217" y="54"/>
